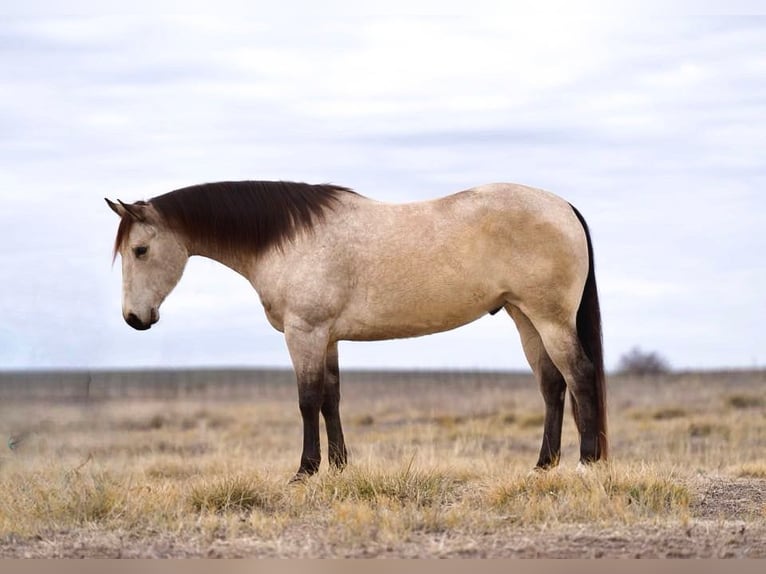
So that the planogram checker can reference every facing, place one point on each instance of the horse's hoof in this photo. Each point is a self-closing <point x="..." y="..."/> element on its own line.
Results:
<point x="298" y="478"/>
<point x="301" y="476"/>
<point x="546" y="466"/>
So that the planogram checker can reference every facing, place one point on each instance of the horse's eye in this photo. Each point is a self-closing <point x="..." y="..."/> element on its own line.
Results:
<point x="140" y="251"/>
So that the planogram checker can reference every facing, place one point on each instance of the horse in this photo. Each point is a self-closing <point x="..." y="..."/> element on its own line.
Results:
<point x="330" y="264"/>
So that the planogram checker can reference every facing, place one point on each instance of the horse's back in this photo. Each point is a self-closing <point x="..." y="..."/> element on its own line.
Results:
<point x="511" y="202"/>
<point x="428" y="266"/>
<point x="513" y="226"/>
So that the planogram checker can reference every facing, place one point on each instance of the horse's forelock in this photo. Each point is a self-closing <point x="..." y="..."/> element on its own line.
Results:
<point x="126" y="223"/>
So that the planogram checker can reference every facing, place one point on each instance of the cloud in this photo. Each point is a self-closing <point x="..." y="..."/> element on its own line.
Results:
<point x="653" y="128"/>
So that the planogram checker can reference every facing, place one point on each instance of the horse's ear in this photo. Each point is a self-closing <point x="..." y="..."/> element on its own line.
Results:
<point x="136" y="211"/>
<point x="114" y="207"/>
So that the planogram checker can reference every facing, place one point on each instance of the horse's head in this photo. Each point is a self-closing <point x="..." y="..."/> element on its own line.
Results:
<point x="153" y="260"/>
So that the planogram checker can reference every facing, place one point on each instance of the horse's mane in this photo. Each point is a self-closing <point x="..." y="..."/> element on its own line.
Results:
<point x="232" y="215"/>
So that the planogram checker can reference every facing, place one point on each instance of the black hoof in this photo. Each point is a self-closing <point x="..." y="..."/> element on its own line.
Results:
<point x="299" y="477"/>
<point x="303" y="474"/>
<point x="547" y="464"/>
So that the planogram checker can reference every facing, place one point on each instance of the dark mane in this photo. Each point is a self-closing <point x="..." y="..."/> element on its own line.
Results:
<point x="232" y="215"/>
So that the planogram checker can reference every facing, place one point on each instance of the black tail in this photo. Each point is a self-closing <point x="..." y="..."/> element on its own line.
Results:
<point x="591" y="339"/>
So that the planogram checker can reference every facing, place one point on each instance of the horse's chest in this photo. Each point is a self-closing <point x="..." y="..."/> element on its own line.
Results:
<point x="274" y="314"/>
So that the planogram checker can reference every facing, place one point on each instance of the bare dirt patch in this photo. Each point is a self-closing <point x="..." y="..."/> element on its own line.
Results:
<point x="732" y="500"/>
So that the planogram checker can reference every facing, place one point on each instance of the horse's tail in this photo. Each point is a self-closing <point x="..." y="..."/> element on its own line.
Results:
<point x="591" y="339"/>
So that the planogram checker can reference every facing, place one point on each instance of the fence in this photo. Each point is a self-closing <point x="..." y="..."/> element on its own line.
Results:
<point x="213" y="384"/>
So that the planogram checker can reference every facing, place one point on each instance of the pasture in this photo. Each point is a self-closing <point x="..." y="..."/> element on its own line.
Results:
<point x="196" y="464"/>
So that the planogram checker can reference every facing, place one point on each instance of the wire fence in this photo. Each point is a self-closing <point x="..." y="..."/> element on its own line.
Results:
<point x="209" y="384"/>
<point x="232" y="384"/>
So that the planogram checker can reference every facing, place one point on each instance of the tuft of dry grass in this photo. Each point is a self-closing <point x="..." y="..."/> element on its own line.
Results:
<point x="533" y="420"/>
<point x="745" y="401"/>
<point x="53" y="498"/>
<point x="707" y="429"/>
<point x="236" y="493"/>
<point x="405" y="486"/>
<point x="604" y="493"/>
<point x="668" y="413"/>
<point x="754" y="469"/>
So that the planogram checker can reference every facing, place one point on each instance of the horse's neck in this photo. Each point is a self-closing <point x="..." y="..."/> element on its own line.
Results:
<point x="238" y="260"/>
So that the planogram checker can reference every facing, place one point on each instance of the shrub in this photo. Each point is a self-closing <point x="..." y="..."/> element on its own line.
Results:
<point x="638" y="362"/>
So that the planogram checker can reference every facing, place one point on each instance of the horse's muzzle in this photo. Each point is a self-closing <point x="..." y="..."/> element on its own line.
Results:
<point x="133" y="320"/>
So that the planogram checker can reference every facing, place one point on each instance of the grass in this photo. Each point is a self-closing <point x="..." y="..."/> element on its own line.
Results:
<point x="363" y="506"/>
<point x="746" y="401"/>
<point x="436" y="464"/>
<point x="754" y="469"/>
<point x="605" y="494"/>
<point x="235" y="493"/>
<point x="51" y="499"/>
<point x="404" y="486"/>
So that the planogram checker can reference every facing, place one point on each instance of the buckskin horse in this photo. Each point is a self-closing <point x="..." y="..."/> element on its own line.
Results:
<point x="329" y="264"/>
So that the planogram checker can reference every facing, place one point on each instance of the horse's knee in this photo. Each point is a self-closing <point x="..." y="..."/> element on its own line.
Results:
<point x="310" y="398"/>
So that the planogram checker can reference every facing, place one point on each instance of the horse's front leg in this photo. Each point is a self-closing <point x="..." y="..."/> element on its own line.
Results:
<point x="336" y="445"/>
<point x="307" y="348"/>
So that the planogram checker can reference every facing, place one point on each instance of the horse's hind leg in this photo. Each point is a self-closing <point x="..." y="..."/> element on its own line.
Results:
<point x="330" y="409"/>
<point x="552" y="387"/>
<point x="564" y="348"/>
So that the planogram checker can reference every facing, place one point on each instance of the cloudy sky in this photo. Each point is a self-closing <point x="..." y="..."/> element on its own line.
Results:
<point x="653" y="124"/>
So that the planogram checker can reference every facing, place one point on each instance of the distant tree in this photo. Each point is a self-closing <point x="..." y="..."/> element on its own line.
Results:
<point x="639" y="362"/>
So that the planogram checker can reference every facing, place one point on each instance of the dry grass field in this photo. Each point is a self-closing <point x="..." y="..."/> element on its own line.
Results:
<point x="440" y="467"/>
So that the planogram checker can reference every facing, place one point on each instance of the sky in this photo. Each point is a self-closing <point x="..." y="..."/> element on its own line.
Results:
<point x="652" y="123"/>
